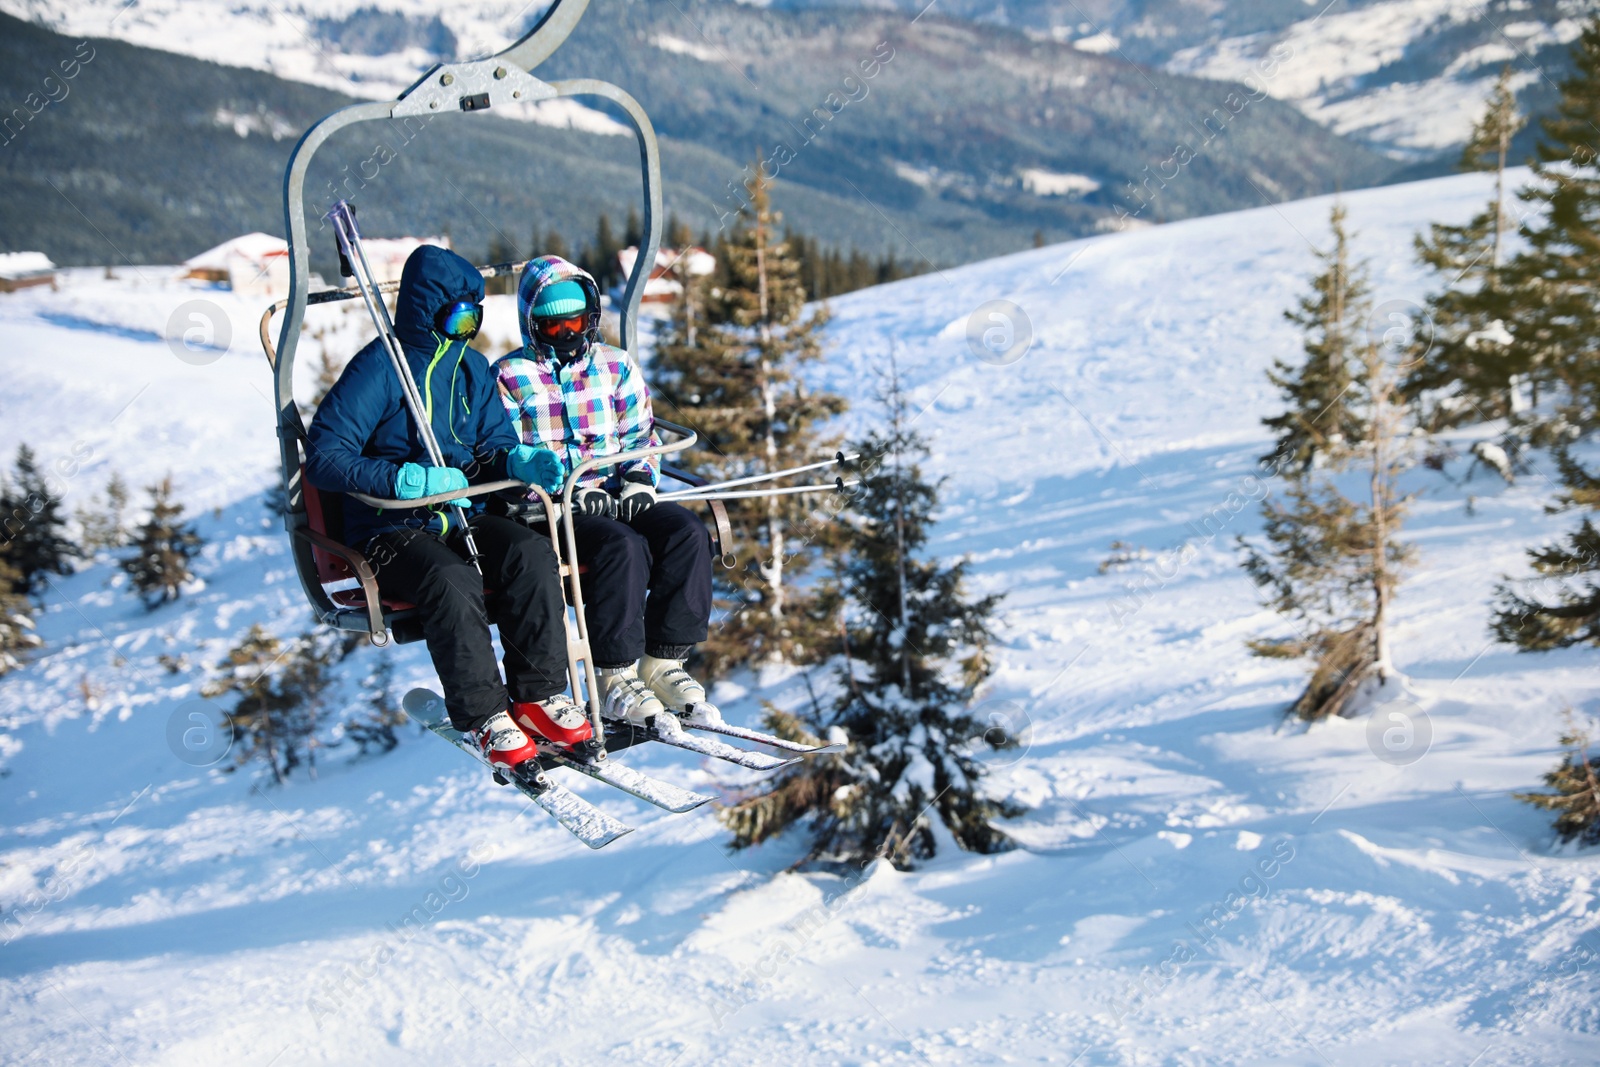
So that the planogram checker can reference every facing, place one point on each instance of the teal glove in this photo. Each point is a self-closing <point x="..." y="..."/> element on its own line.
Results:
<point x="415" y="481"/>
<point x="536" y="466"/>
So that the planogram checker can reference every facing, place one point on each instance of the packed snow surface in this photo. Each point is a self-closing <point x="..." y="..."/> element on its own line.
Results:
<point x="1199" y="881"/>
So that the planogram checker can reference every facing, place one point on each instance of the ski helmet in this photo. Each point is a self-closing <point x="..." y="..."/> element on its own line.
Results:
<point x="564" y="319"/>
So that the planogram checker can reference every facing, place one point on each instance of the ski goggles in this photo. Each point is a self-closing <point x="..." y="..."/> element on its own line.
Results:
<point x="557" y="327"/>
<point x="459" y="321"/>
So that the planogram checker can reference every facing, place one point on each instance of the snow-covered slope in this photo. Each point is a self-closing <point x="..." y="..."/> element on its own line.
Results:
<point x="1200" y="882"/>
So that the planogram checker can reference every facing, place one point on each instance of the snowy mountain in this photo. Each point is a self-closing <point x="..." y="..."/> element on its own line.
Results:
<point x="966" y="141"/>
<point x="1199" y="882"/>
<point x="1406" y="76"/>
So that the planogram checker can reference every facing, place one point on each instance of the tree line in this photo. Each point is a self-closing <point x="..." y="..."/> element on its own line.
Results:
<point x="822" y="271"/>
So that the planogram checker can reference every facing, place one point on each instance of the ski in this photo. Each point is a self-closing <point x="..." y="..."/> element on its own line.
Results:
<point x="576" y="815"/>
<point x="635" y="783"/>
<point x="624" y="735"/>
<point x="763" y="739"/>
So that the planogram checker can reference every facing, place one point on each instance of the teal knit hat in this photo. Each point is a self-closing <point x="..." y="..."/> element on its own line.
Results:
<point x="560" y="298"/>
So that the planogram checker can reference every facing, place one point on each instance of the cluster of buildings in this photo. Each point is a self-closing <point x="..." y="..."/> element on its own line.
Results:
<point x="257" y="264"/>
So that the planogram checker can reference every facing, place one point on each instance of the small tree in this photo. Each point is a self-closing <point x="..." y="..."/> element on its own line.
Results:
<point x="1331" y="564"/>
<point x="280" y="689"/>
<point x="30" y="513"/>
<point x="731" y="364"/>
<point x="1577" y="790"/>
<point x="162" y="549"/>
<point x="16" y="616"/>
<point x="914" y="650"/>
<point x="374" y="728"/>
<point x="105" y="521"/>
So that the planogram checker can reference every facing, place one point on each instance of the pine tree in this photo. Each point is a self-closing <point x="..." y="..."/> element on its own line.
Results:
<point x="327" y="371"/>
<point x="105" y="524"/>
<point x="1563" y="608"/>
<point x="600" y="259"/>
<point x="1468" y="349"/>
<point x="16" y="615"/>
<point x="374" y="728"/>
<point x="259" y="718"/>
<point x="280" y="689"/>
<point x="550" y="244"/>
<point x="1555" y="325"/>
<point x="915" y="649"/>
<point x="738" y="383"/>
<point x="1577" y="790"/>
<point x="1320" y="418"/>
<point x="679" y="236"/>
<point x="1331" y="564"/>
<point x="162" y="549"/>
<point x="30" y="513"/>
<point x="1552" y="313"/>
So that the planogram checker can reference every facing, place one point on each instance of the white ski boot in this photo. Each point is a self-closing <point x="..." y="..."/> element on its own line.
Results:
<point x="677" y="689"/>
<point x="623" y="696"/>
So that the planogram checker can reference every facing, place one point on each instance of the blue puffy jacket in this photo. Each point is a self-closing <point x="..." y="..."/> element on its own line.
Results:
<point x="363" y="431"/>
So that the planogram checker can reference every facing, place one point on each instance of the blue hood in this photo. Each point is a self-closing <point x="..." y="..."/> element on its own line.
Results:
<point x="433" y="278"/>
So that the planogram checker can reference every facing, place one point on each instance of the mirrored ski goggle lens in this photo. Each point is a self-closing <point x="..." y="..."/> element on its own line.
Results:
<point x="460" y="320"/>
<point x="551" y="329"/>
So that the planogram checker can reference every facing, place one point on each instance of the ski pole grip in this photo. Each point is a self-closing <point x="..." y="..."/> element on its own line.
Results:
<point x="343" y="217"/>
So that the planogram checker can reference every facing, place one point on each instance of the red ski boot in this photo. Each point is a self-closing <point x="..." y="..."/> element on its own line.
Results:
<point x="503" y="743"/>
<point x="556" y="719"/>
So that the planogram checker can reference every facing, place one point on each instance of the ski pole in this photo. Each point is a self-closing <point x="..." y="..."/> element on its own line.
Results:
<point x="838" y="458"/>
<point x="343" y="217"/>
<point x="718" y="493"/>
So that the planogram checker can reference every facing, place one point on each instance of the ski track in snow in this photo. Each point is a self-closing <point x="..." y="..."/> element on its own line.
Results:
<point x="1201" y="882"/>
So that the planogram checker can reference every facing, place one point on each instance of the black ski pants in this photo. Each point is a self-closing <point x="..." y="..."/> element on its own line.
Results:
<point x="519" y="566"/>
<point x="648" y="583"/>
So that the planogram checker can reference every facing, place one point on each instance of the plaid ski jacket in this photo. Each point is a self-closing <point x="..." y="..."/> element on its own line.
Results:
<point x="595" y="406"/>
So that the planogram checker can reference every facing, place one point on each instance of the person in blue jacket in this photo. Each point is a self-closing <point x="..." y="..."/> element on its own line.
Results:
<point x="363" y="439"/>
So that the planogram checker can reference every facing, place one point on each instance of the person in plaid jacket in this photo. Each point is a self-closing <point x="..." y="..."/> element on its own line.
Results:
<point x="647" y="582"/>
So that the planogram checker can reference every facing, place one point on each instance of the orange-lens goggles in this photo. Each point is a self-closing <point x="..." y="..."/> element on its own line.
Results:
<point x="554" y="328"/>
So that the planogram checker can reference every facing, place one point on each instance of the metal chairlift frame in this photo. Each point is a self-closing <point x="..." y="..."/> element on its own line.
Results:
<point x="501" y="80"/>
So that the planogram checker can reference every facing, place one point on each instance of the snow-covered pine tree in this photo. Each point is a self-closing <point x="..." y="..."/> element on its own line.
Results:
<point x="1576" y="782"/>
<point x="105" y="520"/>
<point x="1320" y="418"/>
<point x="915" y="648"/>
<point x="1331" y="563"/>
<point x="16" y="615"/>
<point x="1552" y="305"/>
<point x="279" y="689"/>
<point x="162" y="549"/>
<point x="34" y="529"/>
<point x="1467" y="373"/>
<point x="729" y="365"/>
